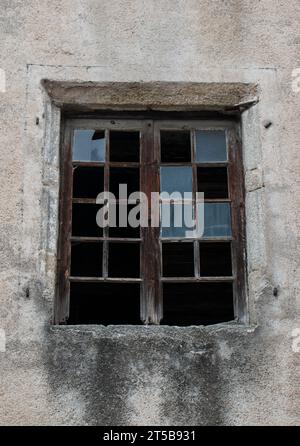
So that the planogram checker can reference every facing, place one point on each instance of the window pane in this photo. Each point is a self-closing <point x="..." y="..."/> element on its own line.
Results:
<point x="129" y="176"/>
<point x="176" y="179"/>
<point x="178" y="259"/>
<point x="86" y="259"/>
<point x="213" y="182"/>
<point x="124" y="146"/>
<point x="84" y="220"/>
<point x="87" y="181"/>
<point x="89" y="145"/>
<point x="211" y="146"/>
<point x="197" y="304"/>
<point x="128" y="231"/>
<point x="217" y="222"/>
<point x="175" y="146"/>
<point x="215" y="259"/>
<point x="104" y="303"/>
<point x="176" y="220"/>
<point x="124" y="260"/>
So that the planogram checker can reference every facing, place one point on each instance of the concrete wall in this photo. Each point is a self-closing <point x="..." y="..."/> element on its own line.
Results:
<point x="225" y="374"/>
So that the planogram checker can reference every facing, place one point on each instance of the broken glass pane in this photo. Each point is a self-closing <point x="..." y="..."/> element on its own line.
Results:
<point x="89" y="145"/>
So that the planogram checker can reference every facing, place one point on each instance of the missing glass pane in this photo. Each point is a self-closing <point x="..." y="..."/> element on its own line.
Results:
<point x="86" y="259"/>
<point x="104" y="303"/>
<point x="129" y="176"/>
<point x="211" y="146"/>
<point x="124" y="146"/>
<point x="124" y="260"/>
<point x="87" y="181"/>
<point x="89" y="145"/>
<point x="175" y="146"/>
<point x="125" y="232"/>
<point x="217" y="220"/>
<point x="197" y="304"/>
<point x="215" y="259"/>
<point x="84" y="220"/>
<point x="212" y="181"/>
<point x="178" y="259"/>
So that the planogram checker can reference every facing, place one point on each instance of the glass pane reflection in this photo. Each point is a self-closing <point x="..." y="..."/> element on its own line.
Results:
<point x="217" y="221"/>
<point x="211" y="146"/>
<point x="89" y="145"/>
<point x="176" y="179"/>
<point x="177" y="220"/>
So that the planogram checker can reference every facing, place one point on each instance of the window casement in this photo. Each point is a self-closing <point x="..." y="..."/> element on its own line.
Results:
<point x="154" y="274"/>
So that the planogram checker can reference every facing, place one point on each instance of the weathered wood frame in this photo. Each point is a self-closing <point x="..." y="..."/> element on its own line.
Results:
<point x="151" y="274"/>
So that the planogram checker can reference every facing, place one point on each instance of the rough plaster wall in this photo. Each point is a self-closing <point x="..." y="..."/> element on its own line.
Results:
<point x="224" y="375"/>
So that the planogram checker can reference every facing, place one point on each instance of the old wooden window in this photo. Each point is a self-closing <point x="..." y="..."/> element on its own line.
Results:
<point x="151" y="275"/>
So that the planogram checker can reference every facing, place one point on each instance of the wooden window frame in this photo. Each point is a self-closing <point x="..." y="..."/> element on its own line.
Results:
<point x="151" y="304"/>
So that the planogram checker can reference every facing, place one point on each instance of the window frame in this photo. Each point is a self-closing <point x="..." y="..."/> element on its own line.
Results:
<point x="151" y="305"/>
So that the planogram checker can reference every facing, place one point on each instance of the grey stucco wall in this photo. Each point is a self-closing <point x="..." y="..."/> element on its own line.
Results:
<point x="225" y="374"/>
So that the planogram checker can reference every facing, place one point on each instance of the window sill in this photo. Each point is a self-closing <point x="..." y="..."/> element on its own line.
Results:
<point x="122" y="330"/>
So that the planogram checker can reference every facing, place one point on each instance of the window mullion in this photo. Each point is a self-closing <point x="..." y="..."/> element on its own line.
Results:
<point x="195" y="203"/>
<point x="106" y="189"/>
<point x="150" y="264"/>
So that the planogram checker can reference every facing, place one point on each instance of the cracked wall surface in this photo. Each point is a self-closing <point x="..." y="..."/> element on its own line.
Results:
<point x="225" y="374"/>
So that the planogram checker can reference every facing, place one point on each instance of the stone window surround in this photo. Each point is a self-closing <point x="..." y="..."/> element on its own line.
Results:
<point x="49" y="94"/>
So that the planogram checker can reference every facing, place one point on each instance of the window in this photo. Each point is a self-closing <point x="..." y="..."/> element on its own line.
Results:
<point x="158" y="272"/>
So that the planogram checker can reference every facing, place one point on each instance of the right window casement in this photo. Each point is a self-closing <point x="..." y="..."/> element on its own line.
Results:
<point x="158" y="269"/>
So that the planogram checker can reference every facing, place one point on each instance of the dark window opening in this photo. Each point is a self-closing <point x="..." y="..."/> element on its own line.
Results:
<point x="84" y="220"/>
<point x="178" y="259"/>
<point x="119" y="231"/>
<point x="86" y="259"/>
<point x="215" y="259"/>
<point x="87" y="181"/>
<point x="124" y="260"/>
<point x="124" y="146"/>
<point x="175" y="146"/>
<point x="213" y="182"/>
<point x="104" y="303"/>
<point x="197" y="304"/>
<point x="129" y="176"/>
